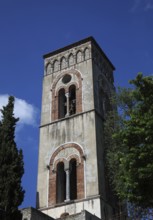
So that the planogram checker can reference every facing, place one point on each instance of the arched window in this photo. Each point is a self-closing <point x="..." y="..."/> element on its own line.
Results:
<point x="102" y="106"/>
<point x="66" y="174"/>
<point x="55" y="66"/>
<point x="63" y="63"/>
<point x="104" y="103"/>
<point x="61" y="103"/>
<point x="73" y="179"/>
<point x="71" y="60"/>
<point x="79" y="57"/>
<point x="86" y="54"/>
<point x="48" y="69"/>
<point x="70" y="103"/>
<point x="60" y="183"/>
<point x="107" y="104"/>
<point x="72" y="100"/>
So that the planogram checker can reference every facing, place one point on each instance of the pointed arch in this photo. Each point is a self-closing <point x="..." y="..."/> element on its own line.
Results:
<point x="71" y="60"/>
<point x="55" y="66"/>
<point x="79" y="57"/>
<point x="86" y="54"/>
<point x="48" y="69"/>
<point x="63" y="63"/>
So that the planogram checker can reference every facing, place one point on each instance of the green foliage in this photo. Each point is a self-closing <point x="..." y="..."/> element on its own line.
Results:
<point x="11" y="163"/>
<point x="129" y="142"/>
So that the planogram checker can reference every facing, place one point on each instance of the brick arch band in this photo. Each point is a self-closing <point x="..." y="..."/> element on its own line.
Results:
<point x="78" y="84"/>
<point x="66" y="88"/>
<point x="65" y="154"/>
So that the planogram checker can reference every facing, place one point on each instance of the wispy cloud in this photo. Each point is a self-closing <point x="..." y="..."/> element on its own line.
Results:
<point x="143" y="5"/>
<point x="148" y="6"/>
<point x="135" y="5"/>
<point x="26" y="112"/>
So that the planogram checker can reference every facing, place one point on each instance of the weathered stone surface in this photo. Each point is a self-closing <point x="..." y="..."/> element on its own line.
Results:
<point x="34" y="214"/>
<point x="84" y="215"/>
<point x="78" y="136"/>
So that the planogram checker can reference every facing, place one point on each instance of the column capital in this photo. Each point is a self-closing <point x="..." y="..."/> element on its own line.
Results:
<point x="67" y="94"/>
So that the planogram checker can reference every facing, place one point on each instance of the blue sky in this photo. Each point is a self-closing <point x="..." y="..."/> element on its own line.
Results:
<point x="30" y="28"/>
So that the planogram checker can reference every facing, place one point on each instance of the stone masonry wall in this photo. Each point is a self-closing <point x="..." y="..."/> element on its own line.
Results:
<point x="33" y="214"/>
<point x="84" y="215"/>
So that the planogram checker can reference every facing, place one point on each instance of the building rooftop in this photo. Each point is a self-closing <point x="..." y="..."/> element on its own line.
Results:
<point x="88" y="39"/>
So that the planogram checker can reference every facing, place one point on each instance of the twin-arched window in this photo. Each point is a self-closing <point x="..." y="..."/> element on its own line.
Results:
<point x="66" y="95"/>
<point x="66" y="174"/>
<point x="67" y="102"/>
<point x="66" y="182"/>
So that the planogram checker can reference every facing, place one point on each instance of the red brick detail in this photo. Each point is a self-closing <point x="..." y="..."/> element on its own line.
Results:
<point x="80" y="181"/>
<point x="74" y="157"/>
<point x="54" y="111"/>
<point x="80" y="172"/>
<point x="69" y="145"/>
<point x="58" y="161"/>
<point x="52" y="188"/>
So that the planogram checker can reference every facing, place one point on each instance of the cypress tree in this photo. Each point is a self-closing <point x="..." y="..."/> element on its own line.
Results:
<point x="11" y="164"/>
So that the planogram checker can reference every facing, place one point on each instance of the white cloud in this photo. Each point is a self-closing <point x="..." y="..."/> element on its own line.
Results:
<point x="26" y="112"/>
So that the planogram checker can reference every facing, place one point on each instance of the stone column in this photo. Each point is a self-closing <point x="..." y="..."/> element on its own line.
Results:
<point x="67" y="185"/>
<point x="67" y="104"/>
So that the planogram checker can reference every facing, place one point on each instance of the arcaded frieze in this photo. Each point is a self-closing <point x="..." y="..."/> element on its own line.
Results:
<point x="67" y="59"/>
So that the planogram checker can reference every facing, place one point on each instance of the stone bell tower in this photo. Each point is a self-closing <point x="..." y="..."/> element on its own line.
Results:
<point x="77" y="83"/>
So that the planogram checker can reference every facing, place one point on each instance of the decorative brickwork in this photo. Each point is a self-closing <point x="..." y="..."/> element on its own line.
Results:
<point x="56" y="87"/>
<point x="64" y="154"/>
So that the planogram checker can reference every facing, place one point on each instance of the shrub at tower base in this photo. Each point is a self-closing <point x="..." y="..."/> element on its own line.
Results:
<point x="129" y="143"/>
<point x="11" y="165"/>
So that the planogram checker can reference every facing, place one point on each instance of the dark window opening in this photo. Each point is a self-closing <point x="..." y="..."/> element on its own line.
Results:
<point x="61" y="104"/>
<point x="102" y="102"/>
<point x="63" y="215"/>
<point x="107" y="104"/>
<point x="105" y="212"/>
<point x="72" y="100"/>
<point x="60" y="183"/>
<point x="66" y="79"/>
<point x="73" y="180"/>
